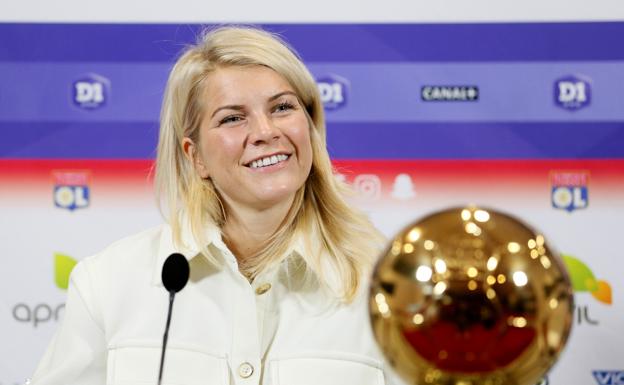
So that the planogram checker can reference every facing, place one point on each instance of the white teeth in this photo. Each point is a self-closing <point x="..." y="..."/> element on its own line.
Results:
<point x="268" y="161"/>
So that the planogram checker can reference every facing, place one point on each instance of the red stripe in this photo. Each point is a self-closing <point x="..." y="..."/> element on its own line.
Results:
<point x="449" y="171"/>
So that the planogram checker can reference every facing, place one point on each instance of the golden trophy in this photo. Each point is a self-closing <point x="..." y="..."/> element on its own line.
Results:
<point x="470" y="296"/>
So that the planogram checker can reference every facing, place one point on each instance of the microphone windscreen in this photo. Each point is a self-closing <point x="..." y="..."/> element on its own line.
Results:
<point x="175" y="272"/>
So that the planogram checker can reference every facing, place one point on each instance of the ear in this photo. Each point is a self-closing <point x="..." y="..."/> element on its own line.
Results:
<point x="191" y="151"/>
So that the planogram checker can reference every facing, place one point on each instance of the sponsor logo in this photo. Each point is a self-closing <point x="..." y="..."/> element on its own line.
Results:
<point x="569" y="190"/>
<point x="63" y="266"/>
<point x="42" y="312"/>
<point x="71" y="189"/>
<point x="583" y="280"/>
<point x="403" y="188"/>
<point x="368" y="186"/>
<point x="91" y="91"/>
<point x="449" y="93"/>
<point x="609" y="377"/>
<point x="572" y="92"/>
<point x="334" y="91"/>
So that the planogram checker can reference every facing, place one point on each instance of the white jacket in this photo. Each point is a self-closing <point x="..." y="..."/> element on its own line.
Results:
<point x="224" y="330"/>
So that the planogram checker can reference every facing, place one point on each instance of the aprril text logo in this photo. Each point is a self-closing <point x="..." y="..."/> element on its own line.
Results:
<point x="71" y="189"/>
<point x="569" y="190"/>
<point x="39" y="313"/>
<point x="333" y="90"/>
<point x="91" y="92"/>
<point x="572" y="92"/>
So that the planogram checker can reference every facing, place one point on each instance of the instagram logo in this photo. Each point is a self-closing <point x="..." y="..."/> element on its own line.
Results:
<point x="368" y="186"/>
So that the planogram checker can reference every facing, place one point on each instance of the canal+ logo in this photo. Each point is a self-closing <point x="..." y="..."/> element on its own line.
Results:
<point x="36" y="314"/>
<point x="91" y="91"/>
<point x="569" y="190"/>
<point x="71" y="189"/>
<point x="334" y="91"/>
<point x="572" y="92"/>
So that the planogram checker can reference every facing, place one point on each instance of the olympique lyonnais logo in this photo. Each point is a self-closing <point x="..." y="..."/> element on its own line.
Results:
<point x="569" y="190"/>
<point x="71" y="189"/>
<point x="449" y="93"/>
<point x="334" y="91"/>
<point x="609" y="377"/>
<point x="91" y="91"/>
<point x="572" y="92"/>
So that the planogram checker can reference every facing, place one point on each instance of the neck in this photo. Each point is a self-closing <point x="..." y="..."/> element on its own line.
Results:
<point x="247" y="229"/>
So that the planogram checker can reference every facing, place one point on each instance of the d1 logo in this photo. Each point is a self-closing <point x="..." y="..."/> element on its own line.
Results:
<point x="572" y="92"/>
<point x="91" y="92"/>
<point x="334" y="91"/>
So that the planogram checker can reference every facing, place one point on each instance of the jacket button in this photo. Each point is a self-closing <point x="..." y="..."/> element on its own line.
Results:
<point x="263" y="288"/>
<point x="245" y="370"/>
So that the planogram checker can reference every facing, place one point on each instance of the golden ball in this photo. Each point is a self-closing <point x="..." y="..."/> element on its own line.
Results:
<point x="471" y="296"/>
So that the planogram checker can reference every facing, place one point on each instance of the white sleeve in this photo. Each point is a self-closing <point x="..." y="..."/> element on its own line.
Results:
<point x="77" y="353"/>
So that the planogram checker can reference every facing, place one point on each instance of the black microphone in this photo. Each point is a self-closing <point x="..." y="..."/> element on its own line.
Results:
<point x="175" y="275"/>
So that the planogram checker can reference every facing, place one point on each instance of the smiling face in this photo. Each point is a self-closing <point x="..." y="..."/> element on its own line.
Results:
<point x="254" y="139"/>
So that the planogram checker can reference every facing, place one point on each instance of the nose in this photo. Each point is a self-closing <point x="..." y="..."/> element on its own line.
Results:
<point x="263" y="130"/>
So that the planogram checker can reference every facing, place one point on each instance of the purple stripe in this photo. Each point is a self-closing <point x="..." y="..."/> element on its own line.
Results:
<point x="77" y="140"/>
<point x="378" y="92"/>
<point x="121" y="140"/>
<point x="439" y="140"/>
<point x="325" y="42"/>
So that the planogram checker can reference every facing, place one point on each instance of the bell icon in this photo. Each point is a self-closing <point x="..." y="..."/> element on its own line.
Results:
<point x="403" y="187"/>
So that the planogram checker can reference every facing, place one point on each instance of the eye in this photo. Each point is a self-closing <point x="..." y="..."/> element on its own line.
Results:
<point x="230" y="119"/>
<point x="283" y="106"/>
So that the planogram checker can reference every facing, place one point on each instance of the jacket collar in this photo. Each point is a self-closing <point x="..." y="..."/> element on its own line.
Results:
<point x="190" y="249"/>
<point x="187" y="247"/>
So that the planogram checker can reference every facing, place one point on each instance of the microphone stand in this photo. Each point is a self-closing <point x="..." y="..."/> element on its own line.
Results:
<point x="166" y="336"/>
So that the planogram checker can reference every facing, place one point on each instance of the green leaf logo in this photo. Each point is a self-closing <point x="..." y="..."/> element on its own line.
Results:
<point x="63" y="265"/>
<point x="583" y="280"/>
<point x="582" y="277"/>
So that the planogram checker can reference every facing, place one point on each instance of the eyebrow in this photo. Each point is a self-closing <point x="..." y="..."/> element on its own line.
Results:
<point x="238" y="107"/>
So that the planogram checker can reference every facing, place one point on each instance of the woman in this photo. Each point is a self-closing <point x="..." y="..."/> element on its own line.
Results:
<point x="276" y="292"/>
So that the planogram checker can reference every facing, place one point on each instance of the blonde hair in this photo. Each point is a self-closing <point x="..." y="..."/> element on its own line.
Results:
<point x="342" y="241"/>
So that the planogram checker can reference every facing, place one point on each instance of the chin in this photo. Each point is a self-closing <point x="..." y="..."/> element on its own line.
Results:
<point x="272" y="198"/>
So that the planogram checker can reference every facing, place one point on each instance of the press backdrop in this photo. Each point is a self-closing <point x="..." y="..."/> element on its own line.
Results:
<point x="523" y="117"/>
